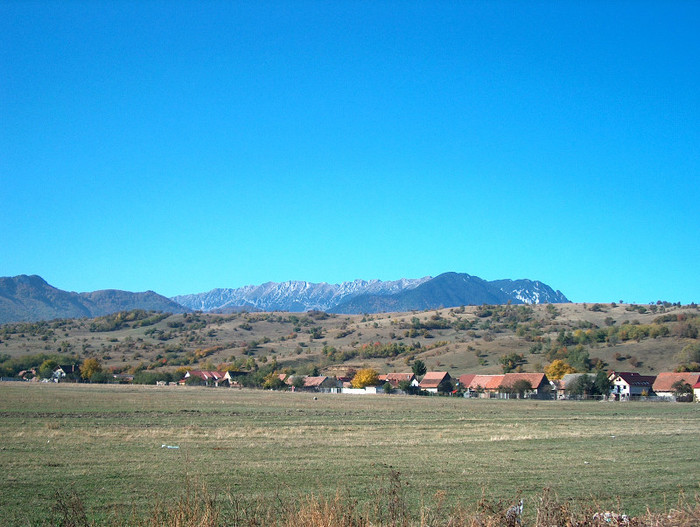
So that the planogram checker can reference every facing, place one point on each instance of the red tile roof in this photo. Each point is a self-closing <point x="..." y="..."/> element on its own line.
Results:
<point x="465" y="379"/>
<point x="536" y="380"/>
<point x="494" y="382"/>
<point x="665" y="380"/>
<point x="395" y="378"/>
<point x="206" y="375"/>
<point x="314" y="382"/>
<point x="485" y="382"/>
<point x="433" y="379"/>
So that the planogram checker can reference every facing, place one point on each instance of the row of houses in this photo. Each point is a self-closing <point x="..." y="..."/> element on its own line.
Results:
<point x="624" y="385"/>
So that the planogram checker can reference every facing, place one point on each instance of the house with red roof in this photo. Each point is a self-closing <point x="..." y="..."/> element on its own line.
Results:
<point x="663" y="385"/>
<point x="320" y="383"/>
<point x="627" y="384"/>
<point x="538" y="381"/>
<point x="209" y="378"/>
<point x="433" y="380"/>
<point x="696" y="392"/>
<point x="395" y="378"/>
<point x="464" y="380"/>
<point x="482" y="385"/>
<point x="503" y="385"/>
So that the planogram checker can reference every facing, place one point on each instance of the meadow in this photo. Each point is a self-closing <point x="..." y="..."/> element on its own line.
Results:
<point x="109" y="444"/>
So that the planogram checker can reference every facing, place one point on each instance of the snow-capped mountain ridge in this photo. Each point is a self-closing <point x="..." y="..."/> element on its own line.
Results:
<point x="298" y="296"/>
<point x="530" y="291"/>
<point x="292" y="295"/>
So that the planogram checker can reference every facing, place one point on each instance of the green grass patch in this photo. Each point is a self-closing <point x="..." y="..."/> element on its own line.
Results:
<point x="106" y="444"/>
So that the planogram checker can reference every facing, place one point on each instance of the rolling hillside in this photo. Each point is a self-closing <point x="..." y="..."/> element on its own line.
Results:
<point x="473" y="339"/>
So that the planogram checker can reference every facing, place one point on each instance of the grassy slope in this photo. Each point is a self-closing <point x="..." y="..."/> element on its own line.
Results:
<point x="106" y="443"/>
<point x="130" y="346"/>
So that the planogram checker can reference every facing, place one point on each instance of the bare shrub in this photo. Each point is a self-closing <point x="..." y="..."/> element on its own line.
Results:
<point x="197" y="507"/>
<point x="69" y="510"/>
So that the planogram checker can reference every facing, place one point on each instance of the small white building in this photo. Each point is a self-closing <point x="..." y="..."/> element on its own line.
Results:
<point x="433" y="380"/>
<point x="696" y="392"/>
<point x="373" y="390"/>
<point x="626" y="384"/>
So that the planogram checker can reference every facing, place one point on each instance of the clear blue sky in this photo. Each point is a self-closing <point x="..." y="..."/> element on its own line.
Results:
<point x="183" y="146"/>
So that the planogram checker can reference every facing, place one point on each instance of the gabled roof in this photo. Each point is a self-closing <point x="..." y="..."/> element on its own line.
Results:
<point x="494" y="383"/>
<point x="314" y="382"/>
<point x="696" y="385"/>
<point x="395" y="378"/>
<point x="633" y="378"/>
<point x="433" y="379"/>
<point x="487" y="382"/>
<point x="206" y="375"/>
<point x="465" y="379"/>
<point x="665" y="380"/>
<point x="536" y="380"/>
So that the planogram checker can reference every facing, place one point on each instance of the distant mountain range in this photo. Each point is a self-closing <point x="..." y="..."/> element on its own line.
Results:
<point x="361" y="296"/>
<point x="30" y="298"/>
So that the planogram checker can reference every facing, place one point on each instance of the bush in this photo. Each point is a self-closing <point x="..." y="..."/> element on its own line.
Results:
<point x="102" y="377"/>
<point x="197" y="507"/>
<point x="152" y="377"/>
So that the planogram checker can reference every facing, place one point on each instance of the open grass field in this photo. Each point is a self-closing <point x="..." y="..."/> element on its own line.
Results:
<point x="106" y="443"/>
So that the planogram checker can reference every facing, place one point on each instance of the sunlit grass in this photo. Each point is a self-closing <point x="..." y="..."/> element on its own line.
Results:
<point x="106" y="442"/>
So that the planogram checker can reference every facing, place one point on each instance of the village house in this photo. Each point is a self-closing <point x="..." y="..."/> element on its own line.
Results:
<point x="663" y="385"/>
<point x="65" y="373"/>
<point x="627" y="384"/>
<point x="696" y="392"/>
<point x="210" y="378"/>
<point x="482" y="385"/>
<point x="433" y="379"/>
<point x="487" y="386"/>
<point x="540" y="385"/>
<point x="321" y="383"/>
<point x="565" y="383"/>
<point x="463" y="381"/>
<point x="28" y="375"/>
<point x="395" y="378"/>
